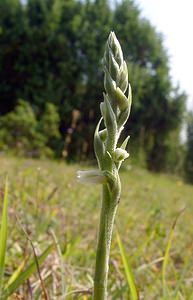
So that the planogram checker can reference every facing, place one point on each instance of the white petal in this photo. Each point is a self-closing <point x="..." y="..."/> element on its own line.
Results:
<point x="91" y="177"/>
<point x="120" y="154"/>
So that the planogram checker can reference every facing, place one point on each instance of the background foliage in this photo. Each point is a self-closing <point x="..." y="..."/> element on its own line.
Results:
<point x="45" y="197"/>
<point x="51" y="84"/>
<point x="50" y="54"/>
<point x="189" y="149"/>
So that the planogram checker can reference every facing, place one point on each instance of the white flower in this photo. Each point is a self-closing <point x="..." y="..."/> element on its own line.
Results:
<point x="120" y="155"/>
<point x="91" y="177"/>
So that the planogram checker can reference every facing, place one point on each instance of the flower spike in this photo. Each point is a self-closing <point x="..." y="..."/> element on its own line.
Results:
<point x="115" y="110"/>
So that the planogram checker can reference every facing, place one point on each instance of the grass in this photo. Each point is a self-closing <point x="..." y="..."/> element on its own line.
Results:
<point x="3" y="235"/>
<point x="128" y="271"/>
<point x="53" y="208"/>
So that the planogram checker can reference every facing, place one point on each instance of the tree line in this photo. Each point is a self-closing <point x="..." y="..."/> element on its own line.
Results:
<point x="51" y="80"/>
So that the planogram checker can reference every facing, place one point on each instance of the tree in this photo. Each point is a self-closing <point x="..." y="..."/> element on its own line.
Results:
<point x="48" y="126"/>
<point x="18" y="132"/>
<point x="12" y="27"/>
<point x="188" y="165"/>
<point x="21" y="132"/>
<point x="158" y="106"/>
<point x="51" y="50"/>
<point x="96" y="25"/>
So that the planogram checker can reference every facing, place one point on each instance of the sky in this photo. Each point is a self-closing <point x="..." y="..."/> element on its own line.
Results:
<point x="174" y="19"/>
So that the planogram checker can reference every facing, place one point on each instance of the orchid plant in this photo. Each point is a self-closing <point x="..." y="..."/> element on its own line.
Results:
<point x="115" y="110"/>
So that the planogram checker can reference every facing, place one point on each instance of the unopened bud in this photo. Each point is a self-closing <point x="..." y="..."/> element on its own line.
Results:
<point x="123" y="77"/>
<point x="109" y="84"/>
<point x="113" y="67"/>
<point x="110" y="118"/>
<point x="121" y="99"/>
<point x="115" y="48"/>
<point x="103" y="134"/>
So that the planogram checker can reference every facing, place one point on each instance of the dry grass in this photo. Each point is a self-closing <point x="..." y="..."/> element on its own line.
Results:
<point x="48" y="202"/>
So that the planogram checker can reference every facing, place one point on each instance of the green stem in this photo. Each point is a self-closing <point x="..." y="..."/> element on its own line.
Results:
<point x="108" y="211"/>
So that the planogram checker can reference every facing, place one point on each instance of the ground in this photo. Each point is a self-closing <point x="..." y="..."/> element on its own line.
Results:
<point x="46" y="200"/>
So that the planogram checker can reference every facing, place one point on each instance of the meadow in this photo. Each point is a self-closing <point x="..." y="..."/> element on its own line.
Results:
<point x="48" y="206"/>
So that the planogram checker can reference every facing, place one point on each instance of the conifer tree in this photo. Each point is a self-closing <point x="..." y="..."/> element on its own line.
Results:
<point x="189" y="150"/>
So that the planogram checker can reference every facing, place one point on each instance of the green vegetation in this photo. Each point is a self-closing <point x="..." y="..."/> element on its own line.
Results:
<point x="49" y="54"/>
<point x="50" y="89"/>
<point x="189" y="150"/>
<point x="21" y="274"/>
<point x="44" y="197"/>
<point x="23" y="134"/>
<point x="115" y="111"/>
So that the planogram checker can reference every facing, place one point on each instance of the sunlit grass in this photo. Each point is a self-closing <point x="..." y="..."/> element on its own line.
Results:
<point x="45" y="197"/>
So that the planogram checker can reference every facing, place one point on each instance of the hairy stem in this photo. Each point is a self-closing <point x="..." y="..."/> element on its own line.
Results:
<point x="115" y="110"/>
<point x="108" y="211"/>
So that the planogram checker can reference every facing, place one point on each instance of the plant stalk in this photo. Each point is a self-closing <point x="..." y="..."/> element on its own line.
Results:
<point x="108" y="211"/>
<point x="115" y="110"/>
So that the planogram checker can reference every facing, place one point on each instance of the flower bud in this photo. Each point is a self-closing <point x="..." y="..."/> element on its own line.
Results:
<point x="123" y="78"/>
<point x="110" y="118"/>
<point x="120" y="155"/>
<point x="121" y="99"/>
<point x="124" y="115"/>
<point x="113" y="67"/>
<point x="103" y="134"/>
<point x="109" y="84"/>
<point x="115" y="48"/>
<point x="129" y="95"/>
<point x="102" y="108"/>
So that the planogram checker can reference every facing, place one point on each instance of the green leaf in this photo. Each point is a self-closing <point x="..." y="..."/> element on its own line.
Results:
<point x="111" y="125"/>
<point x="61" y="258"/>
<point x="123" y="116"/>
<point x="167" y="256"/>
<point x="128" y="271"/>
<point x="16" y="273"/>
<point x="22" y="277"/>
<point x="98" y="145"/>
<point x="109" y="84"/>
<point x="3" y="234"/>
<point x="121" y="99"/>
<point x="124" y="144"/>
<point x="123" y="81"/>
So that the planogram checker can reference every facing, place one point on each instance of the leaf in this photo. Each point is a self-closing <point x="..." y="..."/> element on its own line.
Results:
<point x="16" y="272"/>
<point x="22" y="277"/>
<point x="124" y="144"/>
<point x="110" y="118"/>
<point x="111" y="125"/>
<point x="128" y="271"/>
<point x="124" y="115"/>
<point x="61" y="258"/>
<point x="3" y="234"/>
<point x="167" y="255"/>
<point x="98" y="145"/>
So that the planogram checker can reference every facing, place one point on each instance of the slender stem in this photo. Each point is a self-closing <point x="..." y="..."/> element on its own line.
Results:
<point x="108" y="211"/>
<point x="115" y="111"/>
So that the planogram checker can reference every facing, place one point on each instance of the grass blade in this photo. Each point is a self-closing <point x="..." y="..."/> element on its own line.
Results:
<point x="16" y="273"/>
<point x="3" y="234"/>
<point x="25" y="274"/>
<point x="182" y="276"/>
<point x="63" y="289"/>
<point x="167" y="256"/>
<point x="128" y="271"/>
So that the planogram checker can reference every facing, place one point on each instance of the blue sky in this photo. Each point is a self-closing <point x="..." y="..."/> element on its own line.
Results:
<point x="174" y="19"/>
